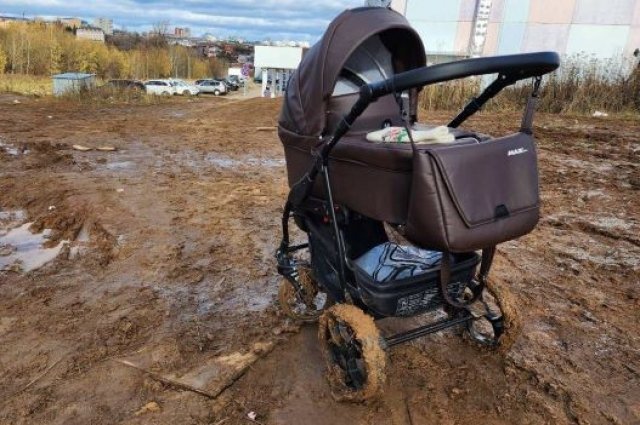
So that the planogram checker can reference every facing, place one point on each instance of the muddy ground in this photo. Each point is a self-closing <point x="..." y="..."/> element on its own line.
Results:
<point x="166" y="282"/>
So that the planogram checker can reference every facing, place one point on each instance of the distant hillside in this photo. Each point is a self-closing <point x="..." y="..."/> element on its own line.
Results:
<point x="35" y="48"/>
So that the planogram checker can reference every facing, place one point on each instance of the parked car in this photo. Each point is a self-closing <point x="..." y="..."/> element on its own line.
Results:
<point x="231" y="85"/>
<point x="126" y="85"/>
<point x="159" y="87"/>
<point x="184" y="88"/>
<point x="237" y="80"/>
<point x="216" y="87"/>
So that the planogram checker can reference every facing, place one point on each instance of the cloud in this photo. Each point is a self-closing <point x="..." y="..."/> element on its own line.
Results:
<point x="251" y="19"/>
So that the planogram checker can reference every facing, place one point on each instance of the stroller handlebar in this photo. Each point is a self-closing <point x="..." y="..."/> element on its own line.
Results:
<point x="516" y="67"/>
<point x="511" y="68"/>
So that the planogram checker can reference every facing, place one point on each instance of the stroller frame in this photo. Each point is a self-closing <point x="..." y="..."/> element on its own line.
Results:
<point x="510" y="69"/>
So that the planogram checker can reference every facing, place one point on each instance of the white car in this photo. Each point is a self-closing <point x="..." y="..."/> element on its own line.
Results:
<point x="159" y="87"/>
<point x="184" y="88"/>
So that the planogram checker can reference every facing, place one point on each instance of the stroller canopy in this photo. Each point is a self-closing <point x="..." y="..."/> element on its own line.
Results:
<point x="360" y="46"/>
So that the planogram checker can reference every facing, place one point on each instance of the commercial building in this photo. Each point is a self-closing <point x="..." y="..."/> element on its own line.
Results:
<point x="90" y="33"/>
<point x="454" y="28"/>
<point x="274" y="64"/>
<point x="105" y="24"/>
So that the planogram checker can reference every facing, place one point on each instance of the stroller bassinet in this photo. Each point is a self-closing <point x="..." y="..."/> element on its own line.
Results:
<point x="361" y="46"/>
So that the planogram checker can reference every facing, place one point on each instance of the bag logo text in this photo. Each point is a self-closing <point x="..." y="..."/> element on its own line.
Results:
<point x="518" y="151"/>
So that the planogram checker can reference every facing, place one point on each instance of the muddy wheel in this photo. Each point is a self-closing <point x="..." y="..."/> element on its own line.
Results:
<point x="351" y="347"/>
<point x="496" y="321"/>
<point x="306" y="305"/>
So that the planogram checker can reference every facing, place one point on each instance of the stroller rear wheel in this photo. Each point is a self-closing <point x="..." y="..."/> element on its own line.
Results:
<point x="496" y="322"/>
<point x="305" y="305"/>
<point x="351" y="345"/>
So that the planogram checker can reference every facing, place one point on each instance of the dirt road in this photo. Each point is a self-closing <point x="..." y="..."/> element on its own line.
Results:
<point x="168" y="267"/>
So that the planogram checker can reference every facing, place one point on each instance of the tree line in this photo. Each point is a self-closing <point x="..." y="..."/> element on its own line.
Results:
<point x="37" y="48"/>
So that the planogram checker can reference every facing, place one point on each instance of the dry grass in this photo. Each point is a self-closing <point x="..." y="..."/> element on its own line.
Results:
<point x="109" y="95"/>
<point x="581" y="86"/>
<point x="449" y="96"/>
<point x="26" y="84"/>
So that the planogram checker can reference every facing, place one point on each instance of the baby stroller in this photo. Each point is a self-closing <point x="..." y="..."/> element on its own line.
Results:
<point x="359" y="202"/>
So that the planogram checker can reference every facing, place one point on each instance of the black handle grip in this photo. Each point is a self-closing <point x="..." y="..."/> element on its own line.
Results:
<point x="517" y="67"/>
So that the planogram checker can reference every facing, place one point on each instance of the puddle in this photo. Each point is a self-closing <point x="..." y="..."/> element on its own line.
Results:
<point x="192" y="160"/>
<point x="212" y="299"/>
<point x="9" y="148"/>
<point x="612" y="223"/>
<point x="578" y="163"/>
<point x="248" y="298"/>
<point x="220" y="162"/>
<point x="120" y="165"/>
<point x="223" y="161"/>
<point x="22" y="250"/>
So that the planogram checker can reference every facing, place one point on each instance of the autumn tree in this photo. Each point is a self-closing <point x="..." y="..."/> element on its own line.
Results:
<point x="45" y="49"/>
<point x="3" y="60"/>
<point x="55" y="64"/>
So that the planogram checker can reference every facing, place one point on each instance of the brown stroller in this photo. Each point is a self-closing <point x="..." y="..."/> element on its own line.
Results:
<point x="353" y="198"/>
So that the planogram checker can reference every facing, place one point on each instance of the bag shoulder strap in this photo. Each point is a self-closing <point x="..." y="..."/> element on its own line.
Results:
<point x="445" y="277"/>
<point x="526" y="126"/>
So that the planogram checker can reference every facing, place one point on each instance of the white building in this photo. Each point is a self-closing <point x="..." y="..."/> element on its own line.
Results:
<point x="454" y="28"/>
<point x="90" y="33"/>
<point x="275" y="64"/>
<point x="105" y="24"/>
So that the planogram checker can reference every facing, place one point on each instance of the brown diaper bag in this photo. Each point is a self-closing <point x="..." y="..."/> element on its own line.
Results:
<point x="466" y="197"/>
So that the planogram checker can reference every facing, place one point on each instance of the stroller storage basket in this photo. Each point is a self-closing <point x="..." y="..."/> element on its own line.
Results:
<point x="396" y="280"/>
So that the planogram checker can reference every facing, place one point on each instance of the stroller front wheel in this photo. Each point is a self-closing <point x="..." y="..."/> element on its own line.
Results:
<point x="305" y="305"/>
<point x="351" y="345"/>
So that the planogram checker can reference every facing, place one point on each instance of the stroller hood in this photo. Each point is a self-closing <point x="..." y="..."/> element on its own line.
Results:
<point x="312" y="84"/>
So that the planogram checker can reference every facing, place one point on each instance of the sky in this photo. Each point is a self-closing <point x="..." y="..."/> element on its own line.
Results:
<point x="297" y="20"/>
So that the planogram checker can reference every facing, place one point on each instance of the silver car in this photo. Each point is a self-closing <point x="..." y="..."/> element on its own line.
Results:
<point x="159" y="87"/>
<point x="211" y="86"/>
<point x="184" y="88"/>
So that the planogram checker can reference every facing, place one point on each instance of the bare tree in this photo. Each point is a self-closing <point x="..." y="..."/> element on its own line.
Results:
<point x="161" y="29"/>
<point x="158" y="35"/>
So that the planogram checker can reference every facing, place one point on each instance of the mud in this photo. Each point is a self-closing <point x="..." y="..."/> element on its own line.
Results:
<point x="171" y="261"/>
